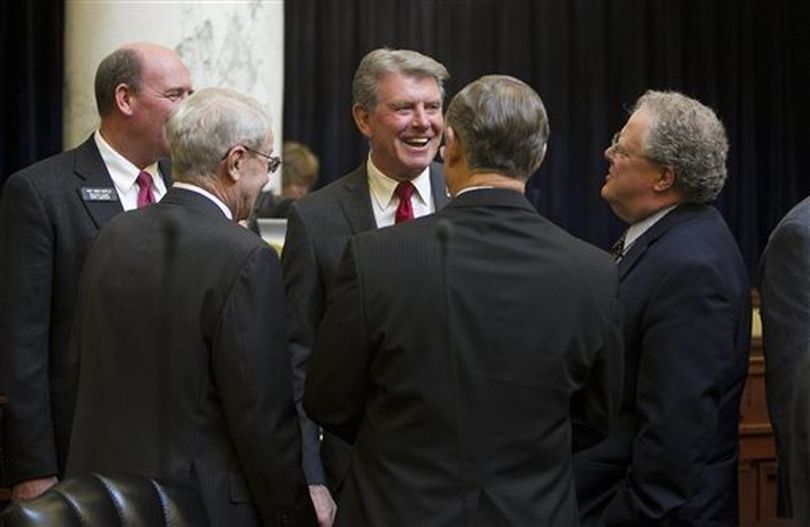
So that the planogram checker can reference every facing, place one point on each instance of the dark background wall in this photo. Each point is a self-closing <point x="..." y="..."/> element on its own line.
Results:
<point x="588" y="59"/>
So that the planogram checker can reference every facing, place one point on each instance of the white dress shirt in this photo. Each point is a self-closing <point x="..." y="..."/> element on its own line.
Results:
<point x="384" y="202"/>
<point x="124" y="174"/>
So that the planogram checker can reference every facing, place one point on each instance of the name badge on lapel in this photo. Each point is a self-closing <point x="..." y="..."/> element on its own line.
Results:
<point x="98" y="194"/>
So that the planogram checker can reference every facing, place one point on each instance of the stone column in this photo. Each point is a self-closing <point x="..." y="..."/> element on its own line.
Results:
<point x="236" y="44"/>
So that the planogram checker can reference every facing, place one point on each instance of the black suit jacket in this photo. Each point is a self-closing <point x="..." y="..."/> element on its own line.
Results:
<point x="672" y="459"/>
<point x="785" y="294"/>
<point x="46" y="231"/>
<point x="181" y="346"/>
<point x="464" y="379"/>
<point x="319" y="226"/>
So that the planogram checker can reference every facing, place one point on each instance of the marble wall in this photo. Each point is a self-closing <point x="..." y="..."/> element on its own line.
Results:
<point x="237" y="44"/>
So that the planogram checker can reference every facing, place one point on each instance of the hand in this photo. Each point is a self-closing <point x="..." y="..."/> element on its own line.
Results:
<point x="28" y="490"/>
<point x="325" y="507"/>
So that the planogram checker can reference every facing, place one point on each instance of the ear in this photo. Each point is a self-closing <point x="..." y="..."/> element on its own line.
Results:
<point x="665" y="180"/>
<point x="361" y="119"/>
<point x="542" y="157"/>
<point x="124" y="99"/>
<point x="233" y="162"/>
<point x="453" y="149"/>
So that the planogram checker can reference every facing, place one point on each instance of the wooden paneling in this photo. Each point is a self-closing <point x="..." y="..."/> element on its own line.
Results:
<point x="758" y="469"/>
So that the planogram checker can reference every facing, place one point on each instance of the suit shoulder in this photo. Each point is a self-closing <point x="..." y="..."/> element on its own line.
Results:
<point x="797" y="220"/>
<point x="44" y="169"/>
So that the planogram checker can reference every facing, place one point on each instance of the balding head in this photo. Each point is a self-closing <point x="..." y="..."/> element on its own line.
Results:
<point x="137" y="87"/>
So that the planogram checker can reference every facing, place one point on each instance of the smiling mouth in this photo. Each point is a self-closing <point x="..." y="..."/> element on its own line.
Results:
<point x="420" y="142"/>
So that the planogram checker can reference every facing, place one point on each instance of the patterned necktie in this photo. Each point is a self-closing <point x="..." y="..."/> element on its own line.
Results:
<point x="617" y="248"/>
<point x="145" y="194"/>
<point x="404" y="191"/>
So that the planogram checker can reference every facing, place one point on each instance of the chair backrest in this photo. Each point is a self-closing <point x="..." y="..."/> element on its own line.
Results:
<point x="123" y="500"/>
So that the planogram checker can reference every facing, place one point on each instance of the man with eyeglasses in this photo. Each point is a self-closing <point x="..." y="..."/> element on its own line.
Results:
<point x="398" y="96"/>
<point x="49" y="216"/>
<point x="672" y="458"/>
<point x="180" y="334"/>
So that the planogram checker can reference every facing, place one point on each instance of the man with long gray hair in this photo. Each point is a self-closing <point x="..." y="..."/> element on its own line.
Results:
<point x="464" y="381"/>
<point x="180" y="333"/>
<point x="672" y="460"/>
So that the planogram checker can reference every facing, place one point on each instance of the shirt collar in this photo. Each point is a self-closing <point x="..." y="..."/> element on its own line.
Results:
<point x="199" y="190"/>
<point x="124" y="174"/>
<point x="382" y="187"/>
<point x="635" y="231"/>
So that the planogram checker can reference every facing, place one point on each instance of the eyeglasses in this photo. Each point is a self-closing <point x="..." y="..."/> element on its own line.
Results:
<point x="273" y="162"/>
<point x="621" y="151"/>
<point x="617" y="148"/>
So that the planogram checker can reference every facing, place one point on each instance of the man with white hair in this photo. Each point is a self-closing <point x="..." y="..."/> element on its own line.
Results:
<point x="180" y="332"/>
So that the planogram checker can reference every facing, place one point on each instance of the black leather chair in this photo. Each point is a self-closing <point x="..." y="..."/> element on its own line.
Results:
<point x="96" y="500"/>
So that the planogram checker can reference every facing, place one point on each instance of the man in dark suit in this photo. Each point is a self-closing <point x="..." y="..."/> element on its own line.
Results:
<point x="49" y="216"/>
<point x="180" y="333"/>
<point x="398" y="106"/>
<point x="672" y="459"/>
<point x="465" y="353"/>
<point x="785" y="294"/>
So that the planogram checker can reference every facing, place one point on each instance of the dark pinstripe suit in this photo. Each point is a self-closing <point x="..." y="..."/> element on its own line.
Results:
<point x="463" y="381"/>
<point x="320" y="225"/>
<point x="183" y="368"/>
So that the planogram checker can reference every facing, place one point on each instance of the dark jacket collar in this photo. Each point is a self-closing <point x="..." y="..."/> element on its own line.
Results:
<point x="680" y="214"/>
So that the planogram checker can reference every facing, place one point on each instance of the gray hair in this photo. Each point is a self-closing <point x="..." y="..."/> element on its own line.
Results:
<point x="122" y="66"/>
<point x="384" y="60"/>
<point x="687" y="136"/>
<point x="207" y="124"/>
<point x="502" y="123"/>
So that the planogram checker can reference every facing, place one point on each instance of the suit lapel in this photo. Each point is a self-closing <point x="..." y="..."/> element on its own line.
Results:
<point x="355" y="198"/>
<point x="675" y="217"/>
<point x="165" y="168"/>
<point x="355" y="201"/>
<point x="437" y="186"/>
<point x="91" y="172"/>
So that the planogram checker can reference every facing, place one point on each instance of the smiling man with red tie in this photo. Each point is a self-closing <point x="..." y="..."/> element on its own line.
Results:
<point x="398" y="106"/>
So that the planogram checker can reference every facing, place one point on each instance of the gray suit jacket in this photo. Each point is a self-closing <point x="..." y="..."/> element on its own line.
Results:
<point x="319" y="227"/>
<point x="47" y="227"/>
<point x="785" y="294"/>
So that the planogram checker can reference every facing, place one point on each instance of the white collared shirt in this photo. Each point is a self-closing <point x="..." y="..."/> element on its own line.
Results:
<point x="470" y="189"/>
<point x="637" y="229"/>
<point x="384" y="202"/>
<point x="199" y="190"/>
<point x="124" y="174"/>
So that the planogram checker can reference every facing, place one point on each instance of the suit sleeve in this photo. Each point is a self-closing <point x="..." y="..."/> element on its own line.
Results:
<point x="26" y="263"/>
<point x="595" y="406"/>
<point x="687" y="330"/>
<point x="251" y="370"/>
<point x="337" y="377"/>
<point x="305" y="299"/>
<point x="785" y="290"/>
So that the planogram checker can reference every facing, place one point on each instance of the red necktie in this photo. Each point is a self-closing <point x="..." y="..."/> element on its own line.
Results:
<point x="145" y="195"/>
<point x="404" y="191"/>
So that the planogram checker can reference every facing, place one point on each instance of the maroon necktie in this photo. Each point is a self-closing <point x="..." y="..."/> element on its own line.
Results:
<point x="145" y="194"/>
<point x="404" y="192"/>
